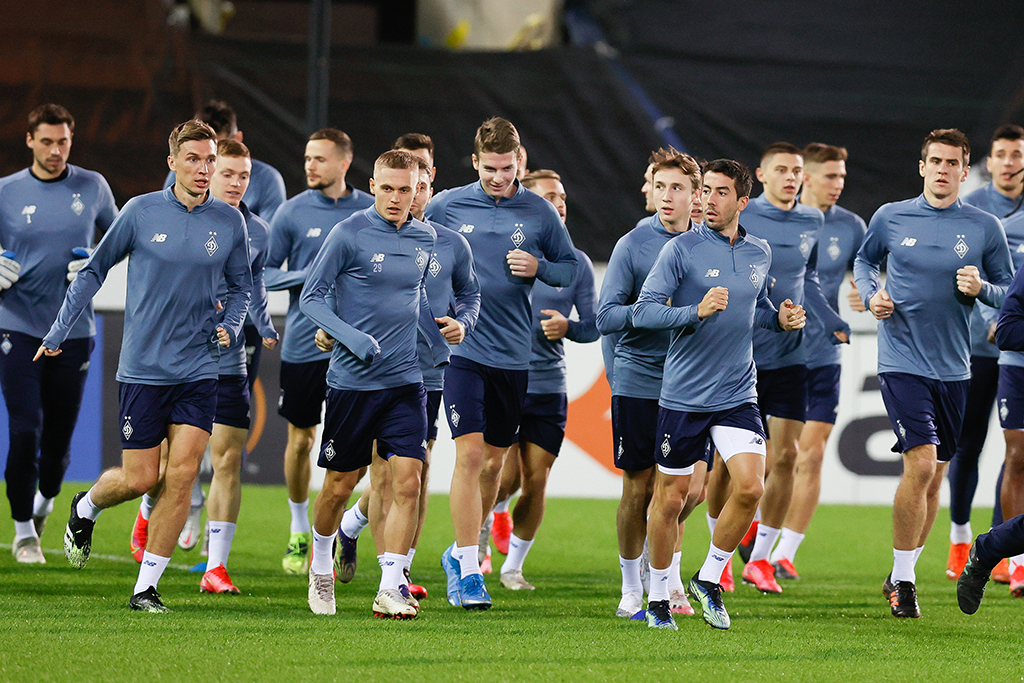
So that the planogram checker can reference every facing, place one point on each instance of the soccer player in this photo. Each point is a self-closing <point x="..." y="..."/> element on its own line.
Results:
<point x="297" y="232"/>
<point x="365" y="289"/>
<point x="935" y="245"/>
<point x="639" y="362"/>
<point x="839" y="239"/>
<point x="49" y="213"/>
<point x="542" y="426"/>
<point x="183" y="242"/>
<point x="1002" y="199"/>
<point x="516" y="237"/>
<point x="710" y="287"/>
<point x="792" y="230"/>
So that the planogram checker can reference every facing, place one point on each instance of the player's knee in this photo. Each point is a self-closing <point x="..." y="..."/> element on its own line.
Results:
<point x="748" y="493"/>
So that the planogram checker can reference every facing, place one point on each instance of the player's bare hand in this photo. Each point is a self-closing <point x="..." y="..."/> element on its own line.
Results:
<point x="521" y="263"/>
<point x="219" y="307"/>
<point x="968" y="280"/>
<point x="269" y="342"/>
<point x="991" y="333"/>
<point x="43" y="351"/>
<point x="842" y="337"/>
<point x="881" y="305"/>
<point x="223" y="337"/>
<point x="556" y="326"/>
<point x="854" y="298"/>
<point x="714" y="301"/>
<point x="451" y="329"/>
<point x="791" y="316"/>
<point x="324" y="341"/>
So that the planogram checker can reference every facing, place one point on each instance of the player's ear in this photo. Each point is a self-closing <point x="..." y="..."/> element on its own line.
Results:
<point x="170" y="162"/>
<point x="920" y="167"/>
<point x="372" y="186"/>
<point x="476" y="162"/>
<point x="742" y="203"/>
<point x="28" y="139"/>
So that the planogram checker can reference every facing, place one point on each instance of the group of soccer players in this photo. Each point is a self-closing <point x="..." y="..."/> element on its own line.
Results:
<point x="720" y="320"/>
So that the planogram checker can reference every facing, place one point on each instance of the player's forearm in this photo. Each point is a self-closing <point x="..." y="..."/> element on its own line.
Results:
<point x="650" y="314"/>
<point x="865" y="276"/>
<point x="276" y="279"/>
<point x="992" y="294"/>
<point x="560" y="273"/>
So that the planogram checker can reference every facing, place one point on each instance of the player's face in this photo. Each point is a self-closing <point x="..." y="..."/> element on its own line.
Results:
<point x="721" y="205"/>
<point x="425" y="155"/>
<point x="673" y="194"/>
<point x="551" y="190"/>
<point x="781" y="175"/>
<point x="943" y="170"/>
<point x="422" y="195"/>
<point x="194" y="165"/>
<point x="646" y="188"/>
<point x="231" y="179"/>
<point x="696" y="209"/>
<point x="51" y="146"/>
<point x="393" y="190"/>
<point x="325" y="164"/>
<point x="497" y="172"/>
<point x="825" y="182"/>
<point x="1006" y="164"/>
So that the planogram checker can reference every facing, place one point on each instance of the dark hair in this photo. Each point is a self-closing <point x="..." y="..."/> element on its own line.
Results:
<point x="532" y="178"/>
<point x="1010" y="131"/>
<point x="819" y="153"/>
<point x="673" y="158"/>
<point x="50" y="114"/>
<point x="220" y="116"/>
<point x="397" y="158"/>
<point x="948" y="136"/>
<point x="779" y="148"/>
<point x="496" y="136"/>
<point x="232" y="148"/>
<point x="342" y="140"/>
<point x="192" y="129"/>
<point x="739" y="173"/>
<point x="414" y="141"/>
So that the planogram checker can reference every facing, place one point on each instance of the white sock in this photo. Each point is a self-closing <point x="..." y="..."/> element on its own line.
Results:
<point x="380" y="562"/>
<point x="502" y="506"/>
<point x="789" y="542"/>
<point x="714" y="564"/>
<point x="917" y="554"/>
<point x="150" y="571"/>
<point x="300" y="516"/>
<point x="41" y="505"/>
<point x="88" y="510"/>
<point x="146" y="506"/>
<point x="391" y="574"/>
<point x="659" y="584"/>
<point x="712" y="523"/>
<point x="1015" y="562"/>
<point x="353" y="522"/>
<point x="518" y="549"/>
<point x="323" y="557"/>
<point x="467" y="558"/>
<point x="675" y="581"/>
<point x="631" y="576"/>
<point x="24" y="530"/>
<point x="411" y="554"/>
<point x="903" y="565"/>
<point x="220" y="534"/>
<point x="766" y="537"/>
<point x="960" y="533"/>
<point x="197" y="494"/>
<point x="757" y="514"/>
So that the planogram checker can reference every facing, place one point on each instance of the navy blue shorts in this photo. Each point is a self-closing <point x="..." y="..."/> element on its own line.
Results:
<point x="823" y="393"/>
<point x="1010" y="397"/>
<point x="924" y="411"/>
<point x="146" y="410"/>
<point x="479" y="398"/>
<point x="634" y="425"/>
<point x="303" y="389"/>
<point x="396" y="418"/>
<point x="543" y="421"/>
<point x="686" y="437"/>
<point x="433" y="408"/>
<point x="782" y="393"/>
<point x="233" y="401"/>
<point x="253" y="352"/>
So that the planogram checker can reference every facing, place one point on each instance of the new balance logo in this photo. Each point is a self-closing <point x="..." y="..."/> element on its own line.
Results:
<point x="712" y="272"/>
<point x="159" y="237"/>
<point x="314" y="232"/>
<point x="757" y="440"/>
<point x="377" y="258"/>
<point x="908" y="242"/>
<point x="466" y="228"/>
<point x="149" y="563"/>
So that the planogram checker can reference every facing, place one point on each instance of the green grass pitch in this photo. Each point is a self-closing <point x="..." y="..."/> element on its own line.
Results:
<point x="60" y="624"/>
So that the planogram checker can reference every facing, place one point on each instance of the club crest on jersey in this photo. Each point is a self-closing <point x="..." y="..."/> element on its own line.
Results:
<point x="466" y="228"/>
<point x="421" y="259"/>
<point x="518" y="237"/>
<point x="805" y="245"/>
<point x="833" y="250"/>
<point x="27" y="213"/>
<point x="314" y="232"/>
<point x="211" y="244"/>
<point x="666" y="447"/>
<point x="6" y="345"/>
<point x="127" y="428"/>
<point x="755" y="279"/>
<point x="329" y="451"/>
<point x="435" y="267"/>
<point x="961" y="247"/>
<point x="76" y="204"/>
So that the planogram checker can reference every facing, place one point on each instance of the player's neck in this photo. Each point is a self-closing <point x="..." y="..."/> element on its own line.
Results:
<point x="187" y="198"/>
<point x="1011" y="194"/>
<point x="42" y="173"/>
<point x="778" y="203"/>
<point x="807" y="200"/>
<point x="337" y="190"/>
<point x="941" y="202"/>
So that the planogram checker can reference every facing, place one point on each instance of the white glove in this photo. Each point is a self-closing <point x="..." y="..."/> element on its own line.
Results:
<point x="9" y="269"/>
<point x="83" y="255"/>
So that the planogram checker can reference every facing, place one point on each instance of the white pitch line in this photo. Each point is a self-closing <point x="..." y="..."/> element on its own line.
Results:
<point x="109" y="558"/>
